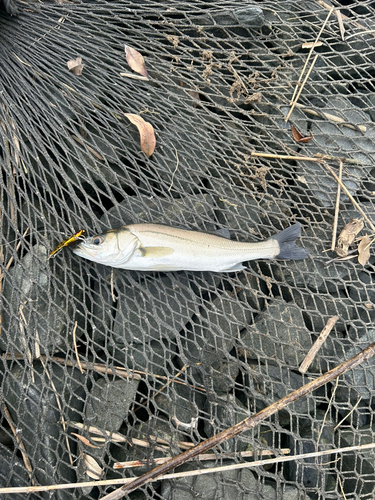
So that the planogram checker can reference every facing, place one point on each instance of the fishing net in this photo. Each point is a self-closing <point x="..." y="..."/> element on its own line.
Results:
<point x="101" y="366"/>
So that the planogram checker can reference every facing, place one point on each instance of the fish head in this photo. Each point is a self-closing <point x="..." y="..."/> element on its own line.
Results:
<point x="113" y="248"/>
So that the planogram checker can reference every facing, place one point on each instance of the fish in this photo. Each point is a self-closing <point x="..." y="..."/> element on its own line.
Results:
<point x="76" y="236"/>
<point x="154" y="247"/>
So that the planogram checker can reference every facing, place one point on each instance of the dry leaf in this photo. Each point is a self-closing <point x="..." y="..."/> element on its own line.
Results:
<point x="297" y="136"/>
<point x="136" y="61"/>
<point x="75" y="66"/>
<point x="347" y="236"/>
<point x="364" y="250"/>
<point x="146" y="131"/>
<point x="84" y="440"/>
<point x="93" y="469"/>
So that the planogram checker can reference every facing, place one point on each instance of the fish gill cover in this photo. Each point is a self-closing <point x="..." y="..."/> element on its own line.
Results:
<point x="143" y="111"/>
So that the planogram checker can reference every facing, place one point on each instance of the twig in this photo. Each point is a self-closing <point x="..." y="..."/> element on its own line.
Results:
<point x="318" y="344"/>
<point x="336" y="218"/>
<point x="199" y="472"/>
<point x="369" y="222"/>
<point x="17" y="435"/>
<point x="302" y="86"/>
<point x="75" y="347"/>
<point x="205" y="456"/>
<point x="101" y="368"/>
<point x="330" y="117"/>
<point x="247" y="423"/>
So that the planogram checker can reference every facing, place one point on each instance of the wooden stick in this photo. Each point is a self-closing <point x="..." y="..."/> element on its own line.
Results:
<point x="318" y="344"/>
<point x="246" y="424"/>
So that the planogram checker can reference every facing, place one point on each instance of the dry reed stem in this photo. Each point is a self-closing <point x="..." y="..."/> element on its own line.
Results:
<point x="336" y="218"/>
<point x="246" y="424"/>
<point x="318" y="344"/>
<point x="178" y="475"/>
<point x="301" y="87"/>
<point x="305" y="65"/>
<point x="205" y="456"/>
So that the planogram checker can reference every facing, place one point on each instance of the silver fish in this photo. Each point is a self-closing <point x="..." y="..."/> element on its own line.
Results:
<point x="153" y="247"/>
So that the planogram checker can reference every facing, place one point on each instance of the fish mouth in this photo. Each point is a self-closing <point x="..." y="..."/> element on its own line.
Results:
<point x="82" y="249"/>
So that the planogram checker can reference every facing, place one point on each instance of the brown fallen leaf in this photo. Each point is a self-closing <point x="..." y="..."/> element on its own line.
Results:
<point x="136" y="61"/>
<point x="146" y="132"/>
<point x="364" y="250"/>
<point x="84" y="440"/>
<point x="298" y="137"/>
<point x="75" y="66"/>
<point x="347" y="236"/>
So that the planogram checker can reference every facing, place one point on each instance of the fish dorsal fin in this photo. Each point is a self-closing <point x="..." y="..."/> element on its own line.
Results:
<point x="155" y="252"/>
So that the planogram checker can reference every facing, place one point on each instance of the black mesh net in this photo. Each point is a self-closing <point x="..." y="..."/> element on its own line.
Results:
<point x="101" y="365"/>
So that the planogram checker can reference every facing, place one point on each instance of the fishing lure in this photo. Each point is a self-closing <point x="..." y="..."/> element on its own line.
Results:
<point x="67" y="242"/>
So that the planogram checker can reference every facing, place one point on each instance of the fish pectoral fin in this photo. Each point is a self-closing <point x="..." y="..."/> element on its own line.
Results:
<point x="154" y="252"/>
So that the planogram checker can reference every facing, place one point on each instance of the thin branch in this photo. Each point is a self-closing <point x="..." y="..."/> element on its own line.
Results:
<point x="199" y="472"/>
<point x="247" y="423"/>
<point x="318" y="344"/>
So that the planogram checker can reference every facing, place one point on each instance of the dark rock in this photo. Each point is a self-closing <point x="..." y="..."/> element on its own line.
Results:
<point x="313" y="435"/>
<point x="13" y="474"/>
<point x="359" y="464"/>
<point x="279" y="334"/>
<point x="335" y="141"/>
<point x="155" y="309"/>
<point x="36" y="414"/>
<point x="108" y="403"/>
<point x="360" y="381"/>
<point x="182" y="404"/>
<point x="38" y="310"/>
<point x="190" y="212"/>
<point x="228" y="411"/>
<point x="240" y="484"/>
<point x="272" y="383"/>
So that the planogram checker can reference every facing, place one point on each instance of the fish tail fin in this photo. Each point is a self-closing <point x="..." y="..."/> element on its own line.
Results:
<point x="287" y="242"/>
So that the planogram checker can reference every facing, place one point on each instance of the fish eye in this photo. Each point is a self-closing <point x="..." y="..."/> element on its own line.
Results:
<point x="97" y="240"/>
